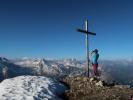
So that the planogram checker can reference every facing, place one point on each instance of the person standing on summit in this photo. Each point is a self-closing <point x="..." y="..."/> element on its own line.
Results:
<point x="94" y="58"/>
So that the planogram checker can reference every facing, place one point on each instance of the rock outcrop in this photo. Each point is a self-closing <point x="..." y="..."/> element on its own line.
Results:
<point x="84" y="88"/>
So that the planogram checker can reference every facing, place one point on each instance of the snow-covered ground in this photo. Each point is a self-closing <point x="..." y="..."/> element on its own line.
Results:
<point x="31" y="88"/>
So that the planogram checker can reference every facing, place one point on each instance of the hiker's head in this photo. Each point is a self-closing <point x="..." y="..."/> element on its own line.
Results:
<point x="96" y="50"/>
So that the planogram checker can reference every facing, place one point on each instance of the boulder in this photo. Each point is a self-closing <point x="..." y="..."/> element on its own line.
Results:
<point x="100" y="83"/>
<point x="92" y="79"/>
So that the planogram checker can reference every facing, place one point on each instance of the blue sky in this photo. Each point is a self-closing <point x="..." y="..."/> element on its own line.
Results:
<point x="47" y="28"/>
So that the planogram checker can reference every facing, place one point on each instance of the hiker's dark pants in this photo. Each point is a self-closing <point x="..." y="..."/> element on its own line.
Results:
<point x="95" y="69"/>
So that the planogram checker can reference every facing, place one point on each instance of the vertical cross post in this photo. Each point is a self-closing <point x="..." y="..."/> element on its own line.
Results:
<point x="87" y="46"/>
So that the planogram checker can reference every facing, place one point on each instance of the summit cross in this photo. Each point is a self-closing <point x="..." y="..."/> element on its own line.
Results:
<point x="87" y="46"/>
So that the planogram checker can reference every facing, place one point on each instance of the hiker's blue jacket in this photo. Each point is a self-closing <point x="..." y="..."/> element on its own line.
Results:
<point x="95" y="57"/>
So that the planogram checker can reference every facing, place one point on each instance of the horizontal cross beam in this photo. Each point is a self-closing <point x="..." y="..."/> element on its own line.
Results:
<point x="84" y="31"/>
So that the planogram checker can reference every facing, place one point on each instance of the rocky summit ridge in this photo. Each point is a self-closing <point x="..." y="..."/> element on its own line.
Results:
<point x="84" y="88"/>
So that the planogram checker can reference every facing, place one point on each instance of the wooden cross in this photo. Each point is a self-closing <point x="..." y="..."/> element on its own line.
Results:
<point x="87" y="47"/>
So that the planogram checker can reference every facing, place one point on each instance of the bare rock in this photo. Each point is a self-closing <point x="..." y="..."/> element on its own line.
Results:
<point x="100" y="83"/>
<point x="84" y="88"/>
<point x="85" y="79"/>
<point x="92" y="79"/>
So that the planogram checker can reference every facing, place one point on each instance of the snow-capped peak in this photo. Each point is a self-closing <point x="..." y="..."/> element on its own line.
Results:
<point x="3" y="59"/>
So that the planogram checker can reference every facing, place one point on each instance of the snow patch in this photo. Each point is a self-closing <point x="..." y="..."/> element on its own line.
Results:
<point x="31" y="88"/>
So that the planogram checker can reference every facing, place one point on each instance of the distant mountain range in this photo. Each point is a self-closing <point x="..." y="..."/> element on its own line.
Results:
<point x="38" y="66"/>
<point x="115" y="70"/>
